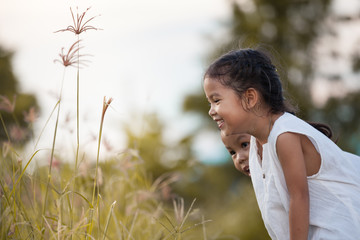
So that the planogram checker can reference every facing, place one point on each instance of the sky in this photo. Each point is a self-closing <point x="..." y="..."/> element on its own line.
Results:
<point x="147" y="56"/>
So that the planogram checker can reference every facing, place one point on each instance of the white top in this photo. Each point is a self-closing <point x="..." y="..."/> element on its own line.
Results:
<point x="334" y="190"/>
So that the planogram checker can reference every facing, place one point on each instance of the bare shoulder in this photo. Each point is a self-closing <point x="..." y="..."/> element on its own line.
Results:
<point x="289" y="150"/>
<point x="296" y="151"/>
<point x="288" y="141"/>
<point x="291" y="157"/>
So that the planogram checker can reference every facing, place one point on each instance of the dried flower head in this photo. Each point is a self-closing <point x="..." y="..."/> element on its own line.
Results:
<point x="106" y="104"/>
<point x="79" y="25"/>
<point x="6" y="105"/>
<point x="6" y="148"/>
<point x="31" y="115"/>
<point x="107" y="144"/>
<point x="179" y="210"/>
<point x="55" y="163"/>
<point x="18" y="134"/>
<point x="72" y="57"/>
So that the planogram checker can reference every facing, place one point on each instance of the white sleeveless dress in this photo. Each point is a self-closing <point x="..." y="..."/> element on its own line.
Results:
<point x="334" y="190"/>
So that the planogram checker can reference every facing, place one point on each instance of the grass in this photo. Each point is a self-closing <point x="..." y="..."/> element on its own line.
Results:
<point x="112" y="199"/>
<point x="128" y="206"/>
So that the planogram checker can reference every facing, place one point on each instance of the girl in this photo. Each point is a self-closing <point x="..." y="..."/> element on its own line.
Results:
<point x="238" y="146"/>
<point x="305" y="185"/>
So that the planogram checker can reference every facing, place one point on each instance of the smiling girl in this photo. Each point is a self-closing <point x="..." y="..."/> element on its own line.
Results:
<point x="305" y="185"/>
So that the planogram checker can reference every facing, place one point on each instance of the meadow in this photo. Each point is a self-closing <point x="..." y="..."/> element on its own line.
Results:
<point x="115" y="198"/>
<point x="130" y="195"/>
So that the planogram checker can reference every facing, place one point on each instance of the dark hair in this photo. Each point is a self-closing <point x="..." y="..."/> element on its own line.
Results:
<point x="249" y="68"/>
<point x="323" y="128"/>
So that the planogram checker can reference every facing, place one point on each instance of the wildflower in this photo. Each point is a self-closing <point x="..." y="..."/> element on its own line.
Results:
<point x="179" y="210"/>
<point x="106" y="104"/>
<point x="6" y="147"/>
<point x="55" y="163"/>
<point x="18" y="134"/>
<point x="79" y="25"/>
<point x="107" y="144"/>
<point x="31" y="115"/>
<point x="71" y="57"/>
<point x="6" y="105"/>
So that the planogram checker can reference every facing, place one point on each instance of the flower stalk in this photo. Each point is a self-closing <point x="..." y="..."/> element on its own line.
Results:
<point x="79" y="26"/>
<point x="106" y="104"/>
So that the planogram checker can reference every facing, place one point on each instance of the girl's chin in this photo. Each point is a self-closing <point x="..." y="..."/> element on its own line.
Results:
<point x="226" y="132"/>
<point x="229" y="132"/>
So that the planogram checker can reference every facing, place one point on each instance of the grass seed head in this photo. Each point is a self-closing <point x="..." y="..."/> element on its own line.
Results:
<point x="80" y="25"/>
<point x="72" y="57"/>
<point x="6" y="105"/>
<point x="31" y="115"/>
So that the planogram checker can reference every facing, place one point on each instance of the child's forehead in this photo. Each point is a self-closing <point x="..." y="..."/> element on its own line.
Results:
<point x="235" y="138"/>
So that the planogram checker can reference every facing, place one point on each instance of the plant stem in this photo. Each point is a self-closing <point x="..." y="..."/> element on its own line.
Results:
<point x="105" y="106"/>
<point x="53" y="149"/>
<point x="77" y="130"/>
<point x="4" y="126"/>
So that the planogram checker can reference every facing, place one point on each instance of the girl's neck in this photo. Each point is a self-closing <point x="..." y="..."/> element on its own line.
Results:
<point x="264" y="126"/>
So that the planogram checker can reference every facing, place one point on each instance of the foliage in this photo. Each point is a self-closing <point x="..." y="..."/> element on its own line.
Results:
<point x="343" y="116"/>
<point x="130" y="202"/>
<point x="14" y="106"/>
<point x="290" y="31"/>
<point x="224" y="195"/>
<point x="109" y="199"/>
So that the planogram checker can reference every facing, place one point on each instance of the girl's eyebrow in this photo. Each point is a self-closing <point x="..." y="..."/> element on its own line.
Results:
<point x="229" y="149"/>
<point x="241" y="136"/>
<point x="213" y="95"/>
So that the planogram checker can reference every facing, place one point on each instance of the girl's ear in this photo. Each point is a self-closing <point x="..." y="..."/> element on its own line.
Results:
<point x="251" y="97"/>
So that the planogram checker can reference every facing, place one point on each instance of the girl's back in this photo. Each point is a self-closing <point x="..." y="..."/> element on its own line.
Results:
<point x="334" y="190"/>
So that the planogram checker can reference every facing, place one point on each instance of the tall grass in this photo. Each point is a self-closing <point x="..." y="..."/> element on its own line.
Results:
<point x="112" y="199"/>
<point x="128" y="206"/>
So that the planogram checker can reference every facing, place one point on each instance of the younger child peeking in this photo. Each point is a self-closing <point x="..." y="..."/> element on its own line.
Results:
<point x="305" y="185"/>
<point x="238" y="146"/>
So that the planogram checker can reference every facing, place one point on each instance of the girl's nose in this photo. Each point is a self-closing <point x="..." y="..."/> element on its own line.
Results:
<point x="211" y="112"/>
<point x="241" y="158"/>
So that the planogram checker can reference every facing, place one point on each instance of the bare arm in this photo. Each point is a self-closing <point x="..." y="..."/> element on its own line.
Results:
<point x="291" y="156"/>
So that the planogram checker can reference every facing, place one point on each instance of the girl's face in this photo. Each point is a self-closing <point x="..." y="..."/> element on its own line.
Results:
<point x="238" y="147"/>
<point x="226" y="108"/>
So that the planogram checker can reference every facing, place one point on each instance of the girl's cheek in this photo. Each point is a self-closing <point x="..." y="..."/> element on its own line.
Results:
<point x="238" y="168"/>
<point x="236" y="165"/>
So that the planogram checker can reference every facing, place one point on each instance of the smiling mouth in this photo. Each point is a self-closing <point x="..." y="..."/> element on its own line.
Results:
<point x="220" y="123"/>
<point x="246" y="170"/>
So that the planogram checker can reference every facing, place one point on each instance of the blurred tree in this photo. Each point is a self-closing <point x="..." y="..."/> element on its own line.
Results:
<point x="287" y="29"/>
<point x="221" y="193"/>
<point x="159" y="157"/>
<point x="17" y="110"/>
<point x="343" y="114"/>
<point x="290" y="30"/>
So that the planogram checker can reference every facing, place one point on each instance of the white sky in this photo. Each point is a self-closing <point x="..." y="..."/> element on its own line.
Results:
<point x="149" y="55"/>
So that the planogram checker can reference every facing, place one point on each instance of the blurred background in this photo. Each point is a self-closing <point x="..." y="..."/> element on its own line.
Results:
<point x="149" y="55"/>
